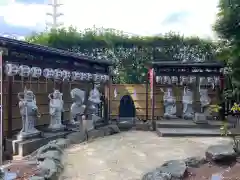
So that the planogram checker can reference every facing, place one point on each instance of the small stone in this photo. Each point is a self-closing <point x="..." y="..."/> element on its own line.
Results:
<point x="224" y="153"/>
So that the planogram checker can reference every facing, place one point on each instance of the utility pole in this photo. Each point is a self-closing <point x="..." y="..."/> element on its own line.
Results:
<point x="54" y="14"/>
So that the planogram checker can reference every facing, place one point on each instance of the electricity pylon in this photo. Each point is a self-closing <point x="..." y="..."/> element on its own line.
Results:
<point x="54" y="14"/>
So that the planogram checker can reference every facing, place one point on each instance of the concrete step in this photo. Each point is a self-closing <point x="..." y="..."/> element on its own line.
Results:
<point x="182" y="132"/>
<point x="188" y="124"/>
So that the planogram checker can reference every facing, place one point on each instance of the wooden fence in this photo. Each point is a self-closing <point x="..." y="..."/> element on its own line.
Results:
<point x="41" y="89"/>
<point x="138" y="94"/>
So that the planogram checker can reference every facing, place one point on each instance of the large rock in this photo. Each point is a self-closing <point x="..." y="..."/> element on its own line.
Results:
<point x="195" y="161"/>
<point x="77" y="137"/>
<point x="110" y="129"/>
<point x="62" y="143"/>
<point x="224" y="153"/>
<point x="49" y="169"/>
<point x="55" y="155"/>
<point x="95" y="133"/>
<point x="174" y="169"/>
<point x="36" y="178"/>
<point x="48" y="147"/>
<point x="156" y="175"/>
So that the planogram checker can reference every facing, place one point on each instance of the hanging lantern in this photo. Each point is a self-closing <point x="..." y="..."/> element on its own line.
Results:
<point x="159" y="79"/>
<point x="166" y="80"/>
<point x="76" y="76"/>
<point x="107" y="77"/>
<point x="96" y="77"/>
<point x="216" y="80"/>
<point x="192" y="79"/>
<point x="102" y="78"/>
<point x="58" y="74"/>
<point x="24" y="71"/>
<point x="11" y="69"/>
<point x="84" y="76"/>
<point x="210" y="80"/>
<point x="184" y="80"/>
<point x="89" y="76"/>
<point x="174" y="79"/>
<point x="66" y="75"/>
<point x="36" y="72"/>
<point x="203" y="81"/>
<point x="48" y="73"/>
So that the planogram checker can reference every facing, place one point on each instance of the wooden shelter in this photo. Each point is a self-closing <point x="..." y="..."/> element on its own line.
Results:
<point x="87" y="69"/>
<point x="180" y="70"/>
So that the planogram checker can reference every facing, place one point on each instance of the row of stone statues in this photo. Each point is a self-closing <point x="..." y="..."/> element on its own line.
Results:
<point x="80" y="111"/>
<point x="187" y="101"/>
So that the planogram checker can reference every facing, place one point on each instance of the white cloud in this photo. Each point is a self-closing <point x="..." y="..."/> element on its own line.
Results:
<point x="144" y="17"/>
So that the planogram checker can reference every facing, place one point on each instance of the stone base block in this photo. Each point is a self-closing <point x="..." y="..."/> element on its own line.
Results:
<point x="26" y="147"/>
<point x="24" y="136"/>
<point x="200" y="118"/>
<point x="55" y="128"/>
<point x="126" y="123"/>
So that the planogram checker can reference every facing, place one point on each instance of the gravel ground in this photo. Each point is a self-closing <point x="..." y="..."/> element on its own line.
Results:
<point x="128" y="155"/>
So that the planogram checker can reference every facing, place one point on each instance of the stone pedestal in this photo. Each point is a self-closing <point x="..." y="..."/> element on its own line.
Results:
<point x="56" y="127"/>
<point x="30" y="135"/>
<point x="200" y="118"/>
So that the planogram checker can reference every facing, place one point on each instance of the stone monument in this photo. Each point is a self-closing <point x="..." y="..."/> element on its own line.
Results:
<point x="201" y="117"/>
<point x="29" y="113"/>
<point x="187" y="100"/>
<point x="77" y="107"/>
<point x="55" y="110"/>
<point x="92" y="108"/>
<point x="169" y="102"/>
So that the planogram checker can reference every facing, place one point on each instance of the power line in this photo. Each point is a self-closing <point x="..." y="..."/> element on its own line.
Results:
<point x="55" y="14"/>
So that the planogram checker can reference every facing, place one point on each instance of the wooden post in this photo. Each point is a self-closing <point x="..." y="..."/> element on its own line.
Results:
<point x="109" y="96"/>
<point x="10" y="82"/>
<point x="147" y="87"/>
<point x="61" y="90"/>
<point x="153" y="100"/>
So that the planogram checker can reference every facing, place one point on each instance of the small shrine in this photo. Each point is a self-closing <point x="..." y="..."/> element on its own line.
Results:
<point x="48" y="91"/>
<point x="185" y="89"/>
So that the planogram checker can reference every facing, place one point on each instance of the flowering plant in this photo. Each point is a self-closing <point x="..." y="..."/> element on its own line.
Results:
<point x="235" y="108"/>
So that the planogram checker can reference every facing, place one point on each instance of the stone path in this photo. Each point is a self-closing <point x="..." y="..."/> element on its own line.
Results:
<point x="128" y="155"/>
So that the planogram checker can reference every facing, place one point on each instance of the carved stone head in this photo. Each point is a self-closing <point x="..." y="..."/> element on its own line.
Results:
<point x="57" y="94"/>
<point x="28" y="95"/>
<point x="78" y="95"/>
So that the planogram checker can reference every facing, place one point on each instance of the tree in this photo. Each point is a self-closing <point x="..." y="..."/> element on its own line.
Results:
<point x="228" y="29"/>
<point x="129" y="54"/>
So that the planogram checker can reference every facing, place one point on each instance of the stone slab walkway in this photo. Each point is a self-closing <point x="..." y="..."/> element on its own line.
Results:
<point x="128" y="155"/>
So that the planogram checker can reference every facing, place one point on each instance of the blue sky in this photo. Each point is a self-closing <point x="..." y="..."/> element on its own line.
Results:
<point x="142" y="17"/>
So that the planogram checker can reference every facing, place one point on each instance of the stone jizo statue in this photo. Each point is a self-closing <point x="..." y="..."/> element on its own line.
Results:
<point x="204" y="99"/>
<point x="187" y="100"/>
<point x="77" y="108"/>
<point x="169" y="102"/>
<point x="55" y="110"/>
<point x="29" y="113"/>
<point x="92" y="107"/>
